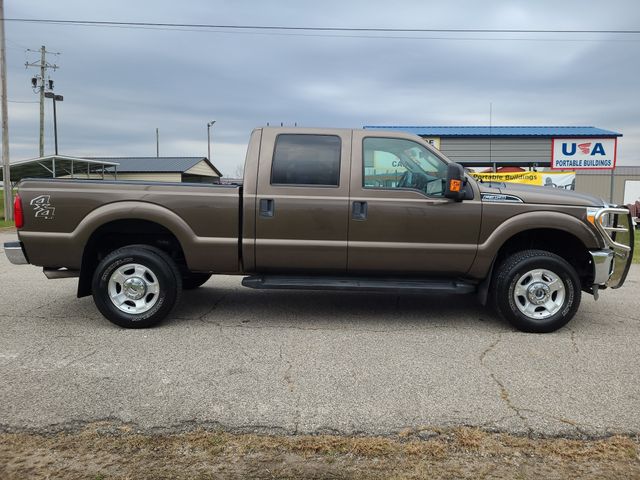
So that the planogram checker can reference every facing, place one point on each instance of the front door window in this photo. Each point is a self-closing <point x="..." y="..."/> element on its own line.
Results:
<point x="394" y="163"/>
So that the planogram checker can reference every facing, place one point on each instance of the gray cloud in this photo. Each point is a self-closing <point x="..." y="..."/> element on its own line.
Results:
<point x="120" y="84"/>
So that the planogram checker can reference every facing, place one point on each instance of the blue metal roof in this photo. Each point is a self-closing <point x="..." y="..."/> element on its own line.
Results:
<point x="500" y="131"/>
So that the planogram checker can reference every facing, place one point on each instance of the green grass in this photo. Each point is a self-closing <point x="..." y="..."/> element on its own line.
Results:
<point x="3" y="223"/>
<point x="636" y="250"/>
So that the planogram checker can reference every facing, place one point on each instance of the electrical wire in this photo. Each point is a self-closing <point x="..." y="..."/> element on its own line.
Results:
<point x="320" y="29"/>
<point x="379" y="37"/>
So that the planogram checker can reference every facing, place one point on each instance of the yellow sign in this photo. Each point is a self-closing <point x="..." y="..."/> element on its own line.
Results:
<point x="564" y="180"/>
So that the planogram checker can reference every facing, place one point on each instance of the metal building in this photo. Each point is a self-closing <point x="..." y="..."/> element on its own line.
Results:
<point x="154" y="169"/>
<point x="499" y="146"/>
<point x="54" y="166"/>
<point x="164" y="169"/>
<point x="624" y="180"/>
<point x="528" y="147"/>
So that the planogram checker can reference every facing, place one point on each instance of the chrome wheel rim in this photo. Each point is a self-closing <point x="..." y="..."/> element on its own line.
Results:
<point x="133" y="288"/>
<point x="539" y="294"/>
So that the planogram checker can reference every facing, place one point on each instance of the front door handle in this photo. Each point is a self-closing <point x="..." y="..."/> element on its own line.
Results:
<point x="266" y="207"/>
<point x="359" y="210"/>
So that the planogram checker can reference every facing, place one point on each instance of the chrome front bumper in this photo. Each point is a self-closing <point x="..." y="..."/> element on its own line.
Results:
<point x="15" y="253"/>
<point x="602" y="266"/>
<point x="611" y="265"/>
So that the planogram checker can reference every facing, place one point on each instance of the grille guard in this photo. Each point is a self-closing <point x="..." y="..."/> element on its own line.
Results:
<point x="619" y="237"/>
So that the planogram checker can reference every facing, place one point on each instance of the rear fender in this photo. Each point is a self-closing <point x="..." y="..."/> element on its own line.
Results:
<point x="201" y="253"/>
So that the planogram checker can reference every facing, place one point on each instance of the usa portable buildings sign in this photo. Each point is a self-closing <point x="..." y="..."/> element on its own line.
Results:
<point x="584" y="153"/>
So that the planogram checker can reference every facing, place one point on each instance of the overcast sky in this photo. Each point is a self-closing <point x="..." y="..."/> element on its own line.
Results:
<point x="120" y="84"/>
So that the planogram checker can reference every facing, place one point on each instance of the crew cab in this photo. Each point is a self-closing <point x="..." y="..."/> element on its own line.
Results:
<point x="336" y="209"/>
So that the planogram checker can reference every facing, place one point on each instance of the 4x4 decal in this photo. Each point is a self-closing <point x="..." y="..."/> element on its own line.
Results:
<point x="42" y="207"/>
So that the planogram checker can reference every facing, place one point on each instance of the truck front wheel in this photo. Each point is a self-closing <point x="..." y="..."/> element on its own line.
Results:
<point x="536" y="291"/>
<point x="136" y="286"/>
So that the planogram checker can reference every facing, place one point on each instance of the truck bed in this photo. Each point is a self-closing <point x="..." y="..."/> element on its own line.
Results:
<point x="61" y="216"/>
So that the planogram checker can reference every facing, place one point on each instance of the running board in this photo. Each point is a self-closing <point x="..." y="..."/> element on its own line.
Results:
<point x="367" y="284"/>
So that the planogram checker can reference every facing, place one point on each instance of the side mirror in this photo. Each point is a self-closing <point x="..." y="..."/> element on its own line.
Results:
<point x="454" y="189"/>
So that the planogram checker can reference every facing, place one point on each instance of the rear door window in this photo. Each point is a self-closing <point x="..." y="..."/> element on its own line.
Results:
<point x="302" y="159"/>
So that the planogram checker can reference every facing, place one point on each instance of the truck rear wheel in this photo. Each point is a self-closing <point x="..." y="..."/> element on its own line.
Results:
<point x="136" y="286"/>
<point x="536" y="291"/>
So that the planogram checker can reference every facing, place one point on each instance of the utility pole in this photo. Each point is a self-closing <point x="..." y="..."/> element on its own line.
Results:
<point x="157" y="143"/>
<point x="38" y="84"/>
<point x="6" y="168"/>
<point x="43" y="57"/>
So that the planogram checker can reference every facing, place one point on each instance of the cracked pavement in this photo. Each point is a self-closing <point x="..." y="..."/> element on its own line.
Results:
<point x="314" y="362"/>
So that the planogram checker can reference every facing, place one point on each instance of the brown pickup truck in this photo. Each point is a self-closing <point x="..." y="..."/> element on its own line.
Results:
<point x="332" y="209"/>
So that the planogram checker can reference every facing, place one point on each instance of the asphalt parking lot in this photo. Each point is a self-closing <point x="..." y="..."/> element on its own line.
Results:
<point x="313" y="362"/>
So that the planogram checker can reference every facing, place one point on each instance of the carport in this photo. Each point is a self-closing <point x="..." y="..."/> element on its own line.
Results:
<point x="54" y="166"/>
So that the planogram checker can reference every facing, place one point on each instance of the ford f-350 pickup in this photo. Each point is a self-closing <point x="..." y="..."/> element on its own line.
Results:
<point x="333" y="209"/>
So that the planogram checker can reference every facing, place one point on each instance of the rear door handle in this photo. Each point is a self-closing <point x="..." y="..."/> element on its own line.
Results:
<point x="266" y="207"/>
<point x="359" y="210"/>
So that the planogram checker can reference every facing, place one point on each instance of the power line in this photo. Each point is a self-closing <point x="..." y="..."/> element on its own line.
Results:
<point x="17" y="45"/>
<point x="97" y="23"/>
<point x="628" y="39"/>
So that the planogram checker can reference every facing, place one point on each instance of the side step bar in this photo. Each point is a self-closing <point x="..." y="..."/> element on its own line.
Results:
<point x="367" y="284"/>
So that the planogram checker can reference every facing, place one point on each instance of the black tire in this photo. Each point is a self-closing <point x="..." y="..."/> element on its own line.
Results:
<point x="191" y="281"/>
<point x="161" y="273"/>
<point x="514" y="268"/>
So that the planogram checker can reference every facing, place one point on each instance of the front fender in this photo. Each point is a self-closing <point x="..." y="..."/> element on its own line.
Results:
<point x="488" y="250"/>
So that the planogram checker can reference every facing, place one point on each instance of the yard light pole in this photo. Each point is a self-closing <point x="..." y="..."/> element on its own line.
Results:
<point x="55" y="98"/>
<point x="209" y="125"/>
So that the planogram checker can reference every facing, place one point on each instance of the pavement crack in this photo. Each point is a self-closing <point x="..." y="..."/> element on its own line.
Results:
<point x="573" y="340"/>
<point x="287" y="374"/>
<point x="296" y="416"/>
<point x="19" y="359"/>
<point x="76" y="360"/>
<point x="288" y="379"/>
<point x="489" y="349"/>
<point x="218" y="301"/>
<point x="504" y="393"/>
<point x="567" y="421"/>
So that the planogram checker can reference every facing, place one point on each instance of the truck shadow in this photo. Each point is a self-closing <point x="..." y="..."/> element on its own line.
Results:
<point x="307" y="309"/>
